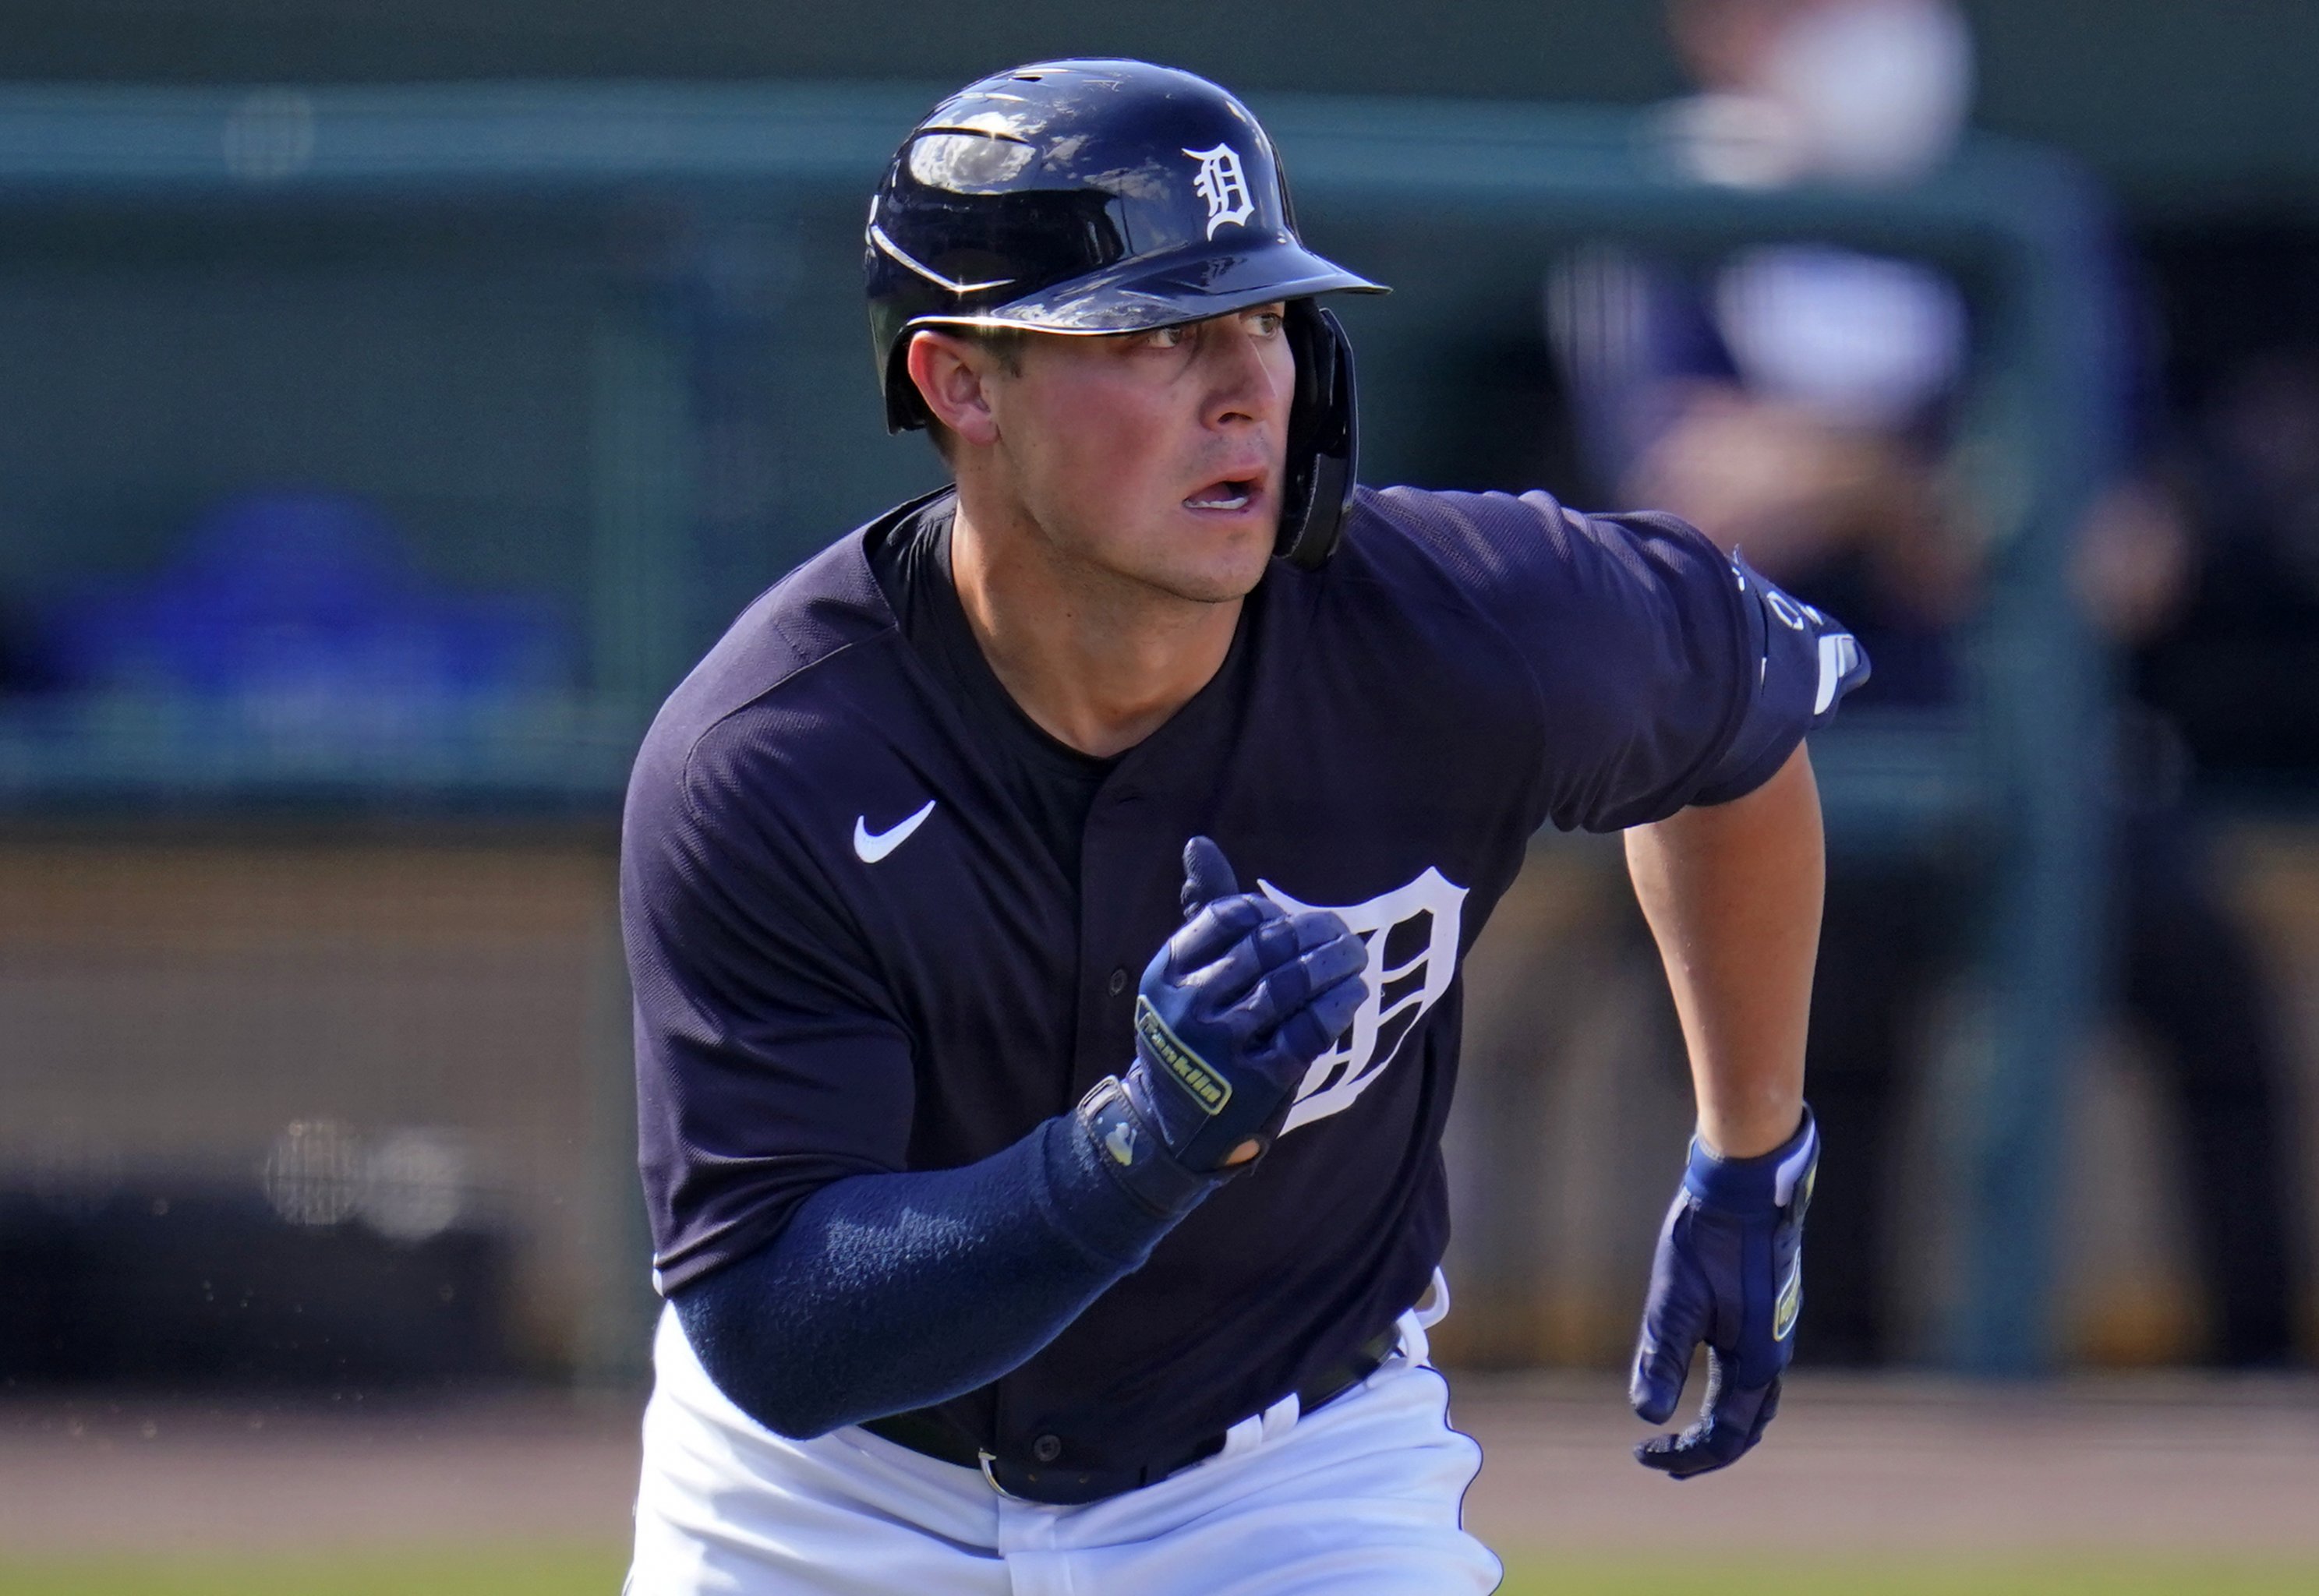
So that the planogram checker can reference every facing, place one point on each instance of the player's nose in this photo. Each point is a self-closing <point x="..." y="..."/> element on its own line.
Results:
<point x="1249" y="374"/>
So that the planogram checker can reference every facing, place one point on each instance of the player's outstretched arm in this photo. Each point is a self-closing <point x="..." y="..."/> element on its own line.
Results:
<point x="1732" y="892"/>
<point x="886" y="1292"/>
<point x="889" y="1292"/>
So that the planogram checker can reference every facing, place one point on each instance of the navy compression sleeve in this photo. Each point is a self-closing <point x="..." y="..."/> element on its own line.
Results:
<point x="890" y="1292"/>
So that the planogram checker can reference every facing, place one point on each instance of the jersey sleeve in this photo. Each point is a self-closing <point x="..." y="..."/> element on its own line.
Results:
<point x="769" y="1062"/>
<point x="1662" y="673"/>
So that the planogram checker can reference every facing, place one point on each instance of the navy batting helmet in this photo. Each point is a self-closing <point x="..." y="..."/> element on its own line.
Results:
<point x="1103" y="196"/>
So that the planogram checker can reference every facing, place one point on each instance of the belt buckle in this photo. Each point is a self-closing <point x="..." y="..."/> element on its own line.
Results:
<point x="985" y="1460"/>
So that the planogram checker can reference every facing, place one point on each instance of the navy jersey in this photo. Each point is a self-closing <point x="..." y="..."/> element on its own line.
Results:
<point x="853" y="952"/>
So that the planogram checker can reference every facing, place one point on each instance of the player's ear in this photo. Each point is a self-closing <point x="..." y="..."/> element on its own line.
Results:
<point x="950" y="373"/>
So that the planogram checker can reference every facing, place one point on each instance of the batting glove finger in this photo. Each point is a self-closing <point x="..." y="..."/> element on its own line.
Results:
<point x="1268" y="953"/>
<point x="1207" y="875"/>
<point x="1217" y="931"/>
<point x="1279" y="943"/>
<point x="1314" y="1029"/>
<point x="1674" y="1322"/>
<point x="1326" y="953"/>
<point x="1732" y="1419"/>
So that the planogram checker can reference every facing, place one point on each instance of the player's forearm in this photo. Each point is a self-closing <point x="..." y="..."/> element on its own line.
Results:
<point x="1732" y="892"/>
<point x="886" y="1292"/>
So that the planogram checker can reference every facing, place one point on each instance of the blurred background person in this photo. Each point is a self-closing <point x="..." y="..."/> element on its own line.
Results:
<point x="2238" y="671"/>
<point x="1808" y="403"/>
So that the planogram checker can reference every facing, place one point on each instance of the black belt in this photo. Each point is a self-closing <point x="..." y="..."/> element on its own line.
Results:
<point x="1064" y="1487"/>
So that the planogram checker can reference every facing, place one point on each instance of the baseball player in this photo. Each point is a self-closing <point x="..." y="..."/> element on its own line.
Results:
<point x="1046" y="907"/>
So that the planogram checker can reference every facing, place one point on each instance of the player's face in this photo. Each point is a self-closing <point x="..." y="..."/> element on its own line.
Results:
<point x="1157" y="456"/>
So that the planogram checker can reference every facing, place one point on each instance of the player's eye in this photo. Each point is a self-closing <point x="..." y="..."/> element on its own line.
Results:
<point x="1266" y="323"/>
<point x="1167" y="338"/>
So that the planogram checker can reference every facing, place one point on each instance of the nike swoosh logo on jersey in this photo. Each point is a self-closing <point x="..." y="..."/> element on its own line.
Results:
<point x="871" y="846"/>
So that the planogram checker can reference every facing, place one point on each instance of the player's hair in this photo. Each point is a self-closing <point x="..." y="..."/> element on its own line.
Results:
<point x="1005" y="345"/>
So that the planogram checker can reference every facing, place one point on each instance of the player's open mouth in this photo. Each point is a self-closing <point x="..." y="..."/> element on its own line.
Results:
<point x="1230" y="494"/>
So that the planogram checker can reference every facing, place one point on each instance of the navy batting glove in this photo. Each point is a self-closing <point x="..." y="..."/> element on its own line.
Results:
<point x="1729" y="1272"/>
<point x="1230" y="1014"/>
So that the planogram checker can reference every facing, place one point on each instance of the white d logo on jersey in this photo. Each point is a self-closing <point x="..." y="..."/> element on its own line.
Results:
<point x="1411" y="934"/>
<point x="1222" y="185"/>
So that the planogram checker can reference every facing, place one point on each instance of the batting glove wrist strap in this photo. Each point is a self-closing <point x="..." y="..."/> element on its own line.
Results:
<point x="1768" y="1185"/>
<point x="1128" y="1146"/>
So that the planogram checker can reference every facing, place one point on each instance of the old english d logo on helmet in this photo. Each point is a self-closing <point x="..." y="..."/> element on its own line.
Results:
<point x="1106" y="196"/>
<point x="1222" y="185"/>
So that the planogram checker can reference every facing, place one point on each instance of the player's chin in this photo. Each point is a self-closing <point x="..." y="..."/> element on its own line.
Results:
<point x="1221" y="556"/>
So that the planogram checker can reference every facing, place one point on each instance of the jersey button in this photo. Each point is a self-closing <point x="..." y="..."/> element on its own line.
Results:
<point x="1047" y="1449"/>
<point x="1119" y="980"/>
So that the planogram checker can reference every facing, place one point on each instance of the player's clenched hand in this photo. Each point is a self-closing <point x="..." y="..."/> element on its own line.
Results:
<point x="1729" y="1272"/>
<point x="1233" y="1011"/>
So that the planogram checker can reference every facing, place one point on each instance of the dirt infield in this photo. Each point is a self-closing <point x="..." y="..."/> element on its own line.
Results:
<point x="2178" y="1464"/>
<point x="2170" y="1464"/>
<point x="123" y="1475"/>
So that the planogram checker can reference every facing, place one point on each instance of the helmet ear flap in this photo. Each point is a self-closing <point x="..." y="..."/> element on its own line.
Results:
<point x="1323" y="438"/>
<point x="906" y="407"/>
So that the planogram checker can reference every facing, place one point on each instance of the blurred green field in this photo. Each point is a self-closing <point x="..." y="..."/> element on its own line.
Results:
<point x="510" y="1571"/>
<point x="500" y="1572"/>
<point x="2106" y="1575"/>
<point x="568" y="1573"/>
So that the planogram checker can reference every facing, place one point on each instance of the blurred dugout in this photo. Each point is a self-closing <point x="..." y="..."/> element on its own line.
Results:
<point x="309" y="1108"/>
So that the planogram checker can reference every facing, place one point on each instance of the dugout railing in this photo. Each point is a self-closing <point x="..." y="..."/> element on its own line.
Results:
<point x="688" y="260"/>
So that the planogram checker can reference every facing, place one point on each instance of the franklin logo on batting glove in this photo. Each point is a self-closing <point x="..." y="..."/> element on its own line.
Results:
<point x="1184" y="1067"/>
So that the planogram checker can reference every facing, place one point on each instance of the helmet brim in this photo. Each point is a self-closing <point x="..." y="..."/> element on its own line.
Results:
<point x="1153" y="291"/>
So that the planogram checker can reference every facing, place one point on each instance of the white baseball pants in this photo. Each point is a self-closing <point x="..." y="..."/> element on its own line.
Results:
<point x="1360" y="1499"/>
